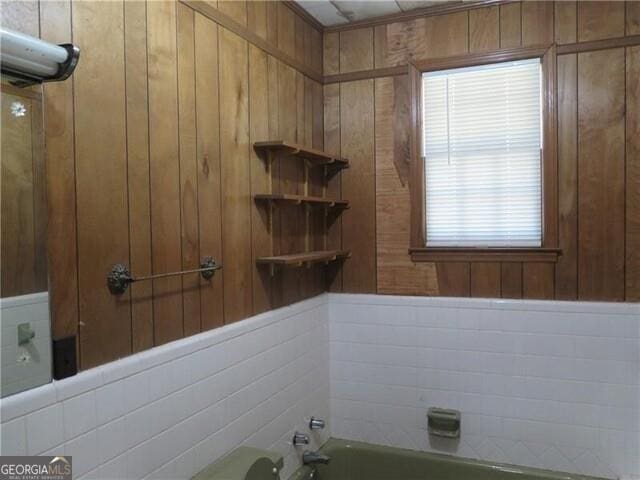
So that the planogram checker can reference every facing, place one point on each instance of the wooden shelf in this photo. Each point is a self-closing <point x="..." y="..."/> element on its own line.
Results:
<point x="301" y="199"/>
<point x="306" y="258"/>
<point x="315" y="157"/>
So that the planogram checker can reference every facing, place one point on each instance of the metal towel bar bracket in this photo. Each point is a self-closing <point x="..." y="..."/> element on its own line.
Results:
<point x="119" y="277"/>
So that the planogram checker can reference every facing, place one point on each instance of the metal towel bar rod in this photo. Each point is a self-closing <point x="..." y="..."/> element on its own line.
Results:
<point x="119" y="277"/>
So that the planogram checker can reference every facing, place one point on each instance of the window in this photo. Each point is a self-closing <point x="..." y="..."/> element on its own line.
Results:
<point x="482" y="142"/>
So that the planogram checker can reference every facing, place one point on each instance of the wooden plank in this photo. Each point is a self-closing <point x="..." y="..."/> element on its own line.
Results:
<point x="566" y="22"/>
<point x="291" y="221"/>
<point x="510" y="25"/>
<point x="135" y="22"/>
<point x="600" y="20"/>
<point x="188" y="170"/>
<point x="164" y="170"/>
<point x="208" y="156"/>
<point x="358" y="185"/>
<point x="453" y="279"/>
<point x="485" y="280"/>
<point x="633" y="18"/>
<point x="100" y="141"/>
<point x="484" y="29"/>
<point x="286" y="30"/>
<point x="567" y="267"/>
<point x="297" y="259"/>
<point x="537" y="23"/>
<point x="234" y="155"/>
<point x="299" y="39"/>
<point x="396" y="273"/>
<point x="272" y="23"/>
<point x="236" y="9"/>
<point x="261" y="237"/>
<point x="601" y="175"/>
<point x="257" y="17"/>
<point x="549" y="150"/>
<point x="39" y="196"/>
<point x="391" y="42"/>
<point x="331" y="103"/>
<point x="538" y="281"/>
<point x="511" y="281"/>
<point x="445" y="36"/>
<point x="632" y="263"/>
<point x="317" y="50"/>
<point x="356" y="50"/>
<point x="331" y="53"/>
<point x="55" y="18"/>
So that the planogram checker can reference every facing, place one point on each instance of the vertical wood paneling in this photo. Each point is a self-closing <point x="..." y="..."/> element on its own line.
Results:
<point x="259" y="131"/>
<point x="537" y="23"/>
<point x="356" y="50"/>
<point x="257" y="17"/>
<point x="188" y="169"/>
<point x="55" y="18"/>
<point x="100" y="141"/>
<point x="633" y="18"/>
<point x="317" y="52"/>
<point x="272" y="22"/>
<point x="331" y="53"/>
<point x="567" y="267"/>
<point x="236" y="9"/>
<point x="453" y="279"/>
<point x="331" y="94"/>
<point x="358" y="185"/>
<point x="538" y="281"/>
<point x="234" y="155"/>
<point x="286" y="30"/>
<point x="164" y="169"/>
<point x="598" y="20"/>
<point x="510" y="25"/>
<point x="566" y="22"/>
<point x="208" y="157"/>
<point x="486" y="279"/>
<point x="511" y="281"/>
<point x="135" y="21"/>
<point x="632" y="263"/>
<point x="484" y="29"/>
<point x="445" y="35"/>
<point x="601" y="177"/>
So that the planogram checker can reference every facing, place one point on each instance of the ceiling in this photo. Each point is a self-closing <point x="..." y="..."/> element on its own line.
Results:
<point x="340" y="12"/>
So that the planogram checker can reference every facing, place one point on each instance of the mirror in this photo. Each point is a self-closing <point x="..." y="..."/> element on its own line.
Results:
<point x="24" y="304"/>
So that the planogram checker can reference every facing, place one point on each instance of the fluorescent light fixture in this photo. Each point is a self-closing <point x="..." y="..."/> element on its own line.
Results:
<point x="27" y="60"/>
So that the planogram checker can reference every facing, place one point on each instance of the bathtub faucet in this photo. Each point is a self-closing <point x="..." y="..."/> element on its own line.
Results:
<point x="314" y="458"/>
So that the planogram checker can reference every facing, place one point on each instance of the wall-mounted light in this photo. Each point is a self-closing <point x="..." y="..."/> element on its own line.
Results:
<point x="27" y="60"/>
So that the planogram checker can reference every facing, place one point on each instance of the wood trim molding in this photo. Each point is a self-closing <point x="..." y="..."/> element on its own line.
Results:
<point x="461" y="254"/>
<point x="629" y="41"/>
<point x="482" y="58"/>
<point x="34" y="92"/>
<point x="418" y="12"/>
<point x="297" y="9"/>
<point x="366" y="74"/>
<point x="227" y="22"/>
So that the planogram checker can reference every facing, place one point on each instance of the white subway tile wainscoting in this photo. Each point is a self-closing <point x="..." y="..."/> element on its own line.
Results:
<point x="546" y="384"/>
<point x="554" y="385"/>
<point x="172" y="410"/>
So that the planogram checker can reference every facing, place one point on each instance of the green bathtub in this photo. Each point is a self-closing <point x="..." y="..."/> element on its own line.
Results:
<point x="362" y="461"/>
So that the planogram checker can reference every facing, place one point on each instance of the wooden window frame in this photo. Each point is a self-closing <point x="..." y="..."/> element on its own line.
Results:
<point x="548" y="251"/>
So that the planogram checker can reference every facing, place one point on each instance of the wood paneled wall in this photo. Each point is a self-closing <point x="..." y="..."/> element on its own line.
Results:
<point x="148" y="149"/>
<point x="598" y="138"/>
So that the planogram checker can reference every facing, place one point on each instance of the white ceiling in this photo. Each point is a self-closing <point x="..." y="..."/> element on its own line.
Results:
<point x="339" y="12"/>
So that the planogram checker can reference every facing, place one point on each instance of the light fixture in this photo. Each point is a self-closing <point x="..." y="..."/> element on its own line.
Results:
<point x="27" y="60"/>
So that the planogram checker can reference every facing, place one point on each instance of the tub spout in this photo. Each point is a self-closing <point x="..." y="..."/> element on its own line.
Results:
<point x="314" y="458"/>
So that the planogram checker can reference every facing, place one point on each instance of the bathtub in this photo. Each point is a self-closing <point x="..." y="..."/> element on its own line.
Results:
<point x="362" y="461"/>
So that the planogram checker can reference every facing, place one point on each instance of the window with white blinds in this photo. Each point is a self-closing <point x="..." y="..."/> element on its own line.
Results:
<point x="482" y="147"/>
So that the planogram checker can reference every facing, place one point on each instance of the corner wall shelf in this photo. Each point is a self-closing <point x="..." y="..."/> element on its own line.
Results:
<point x="301" y="199"/>
<point x="303" y="259"/>
<point x="316" y="158"/>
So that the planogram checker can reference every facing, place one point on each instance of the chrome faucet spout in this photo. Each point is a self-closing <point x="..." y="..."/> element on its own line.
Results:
<point x="314" y="458"/>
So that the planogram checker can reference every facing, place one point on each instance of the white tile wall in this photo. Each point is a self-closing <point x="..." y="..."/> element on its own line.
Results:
<point x="24" y="366"/>
<point x="170" y="411"/>
<point x="554" y="385"/>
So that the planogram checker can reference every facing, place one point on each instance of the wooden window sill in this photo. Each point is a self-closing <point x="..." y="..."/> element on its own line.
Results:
<point x="490" y="254"/>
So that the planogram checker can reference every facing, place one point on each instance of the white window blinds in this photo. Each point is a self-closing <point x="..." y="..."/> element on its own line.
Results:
<point x="482" y="144"/>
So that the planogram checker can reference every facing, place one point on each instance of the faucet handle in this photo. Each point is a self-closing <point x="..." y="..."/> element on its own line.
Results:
<point x="300" y="439"/>
<point x="316" y="423"/>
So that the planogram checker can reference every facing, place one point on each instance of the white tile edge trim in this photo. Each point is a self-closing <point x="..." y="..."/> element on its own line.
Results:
<point x="20" y="300"/>
<point x="29" y="401"/>
<point x="628" y="308"/>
